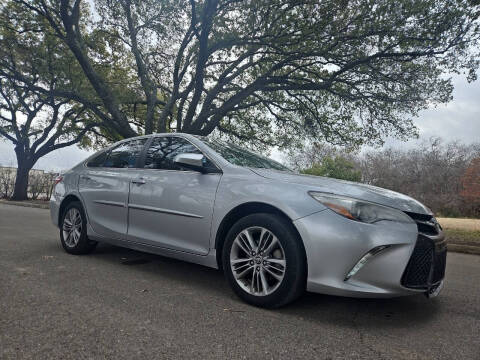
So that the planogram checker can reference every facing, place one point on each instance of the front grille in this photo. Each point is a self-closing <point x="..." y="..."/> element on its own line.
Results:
<point x="426" y="224"/>
<point x="440" y="265"/>
<point x="426" y="266"/>
<point x="419" y="266"/>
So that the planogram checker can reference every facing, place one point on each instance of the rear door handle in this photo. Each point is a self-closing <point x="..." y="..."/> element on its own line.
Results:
<point x="139" y="181"/>
<point x="85" y="177"/>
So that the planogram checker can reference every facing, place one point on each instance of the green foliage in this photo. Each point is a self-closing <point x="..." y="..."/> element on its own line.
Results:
<point x="335" y="167"/>
<point x="265" y="72"/>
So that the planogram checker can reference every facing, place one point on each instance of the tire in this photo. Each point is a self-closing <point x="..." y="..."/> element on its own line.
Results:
<point x="265" y="290"/>
<point x="75" y="242"/>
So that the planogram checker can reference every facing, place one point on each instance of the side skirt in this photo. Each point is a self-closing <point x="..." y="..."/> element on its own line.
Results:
<point x="208" y="260"/>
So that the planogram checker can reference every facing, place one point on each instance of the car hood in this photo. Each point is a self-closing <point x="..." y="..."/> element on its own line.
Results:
<point x="348" y="188"/>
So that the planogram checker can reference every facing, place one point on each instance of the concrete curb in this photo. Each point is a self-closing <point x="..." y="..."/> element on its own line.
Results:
<point x="465" y="249"/>
<point x="25" y="204"/>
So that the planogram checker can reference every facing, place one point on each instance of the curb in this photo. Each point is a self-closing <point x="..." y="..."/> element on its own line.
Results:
<point x="25" y="204"/>
<point x="464" y="249"/>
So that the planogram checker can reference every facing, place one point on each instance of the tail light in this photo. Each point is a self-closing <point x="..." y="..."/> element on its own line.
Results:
<point x="58" y="179"/>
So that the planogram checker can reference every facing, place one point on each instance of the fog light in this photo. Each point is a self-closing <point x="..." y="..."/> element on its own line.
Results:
<point x="365" y="259"/>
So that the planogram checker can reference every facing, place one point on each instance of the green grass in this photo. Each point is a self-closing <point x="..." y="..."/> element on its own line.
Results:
<point x="467" y="241"/>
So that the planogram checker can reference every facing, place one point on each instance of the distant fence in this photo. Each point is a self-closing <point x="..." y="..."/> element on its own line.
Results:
<point x="40" y="183"/>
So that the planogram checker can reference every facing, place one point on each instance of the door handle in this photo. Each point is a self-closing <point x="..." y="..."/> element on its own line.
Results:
<point x="85" y="177"/>
<point x="139" y="181"/>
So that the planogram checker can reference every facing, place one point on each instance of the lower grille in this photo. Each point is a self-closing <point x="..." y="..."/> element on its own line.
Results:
<point x="426" y="266"/>
<point x="439" y="268"/>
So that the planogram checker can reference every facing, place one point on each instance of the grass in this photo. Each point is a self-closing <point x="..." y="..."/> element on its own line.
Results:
<point x="463" y="235"/>
<point x="460" y="224"/>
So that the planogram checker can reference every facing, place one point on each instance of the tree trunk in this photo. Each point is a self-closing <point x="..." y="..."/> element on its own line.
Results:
<point x="24" y="165"/>
<point x="21" y="183"/>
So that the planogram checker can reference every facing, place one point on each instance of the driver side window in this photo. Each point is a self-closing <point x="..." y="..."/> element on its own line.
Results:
<point x="162" y="152"/>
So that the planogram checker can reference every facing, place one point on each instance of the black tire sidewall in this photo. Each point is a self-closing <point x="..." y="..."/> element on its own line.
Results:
<point x="84" y="245"/>
<point x="293" y="283"/>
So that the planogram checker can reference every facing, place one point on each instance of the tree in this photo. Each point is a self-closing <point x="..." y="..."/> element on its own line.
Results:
<point x="145" y="28"/>
<point x="308" y="154"/>
<point x="431" y="173"/>
<point x="335" y="167"/>
<point x="273" y="72"/>
<point x="40" y="132"/>
<point x="439" y="174"/>
<point x="470" y="187"/>
<point x="32" y="118"/>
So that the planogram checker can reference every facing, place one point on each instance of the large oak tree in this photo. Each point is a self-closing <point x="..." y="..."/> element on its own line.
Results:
<point x="34" y="71"/>
<point x="272" y="72"/>
<point x="266" y="72"/>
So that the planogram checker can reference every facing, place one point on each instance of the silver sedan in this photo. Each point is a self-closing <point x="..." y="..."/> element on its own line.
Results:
<point x="274" y="233"/>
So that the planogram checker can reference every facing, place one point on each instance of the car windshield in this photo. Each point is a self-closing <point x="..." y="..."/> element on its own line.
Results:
<point x="242" y="157"/>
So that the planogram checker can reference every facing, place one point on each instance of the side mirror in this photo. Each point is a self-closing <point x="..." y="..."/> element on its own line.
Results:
<point x="190" y="161"/>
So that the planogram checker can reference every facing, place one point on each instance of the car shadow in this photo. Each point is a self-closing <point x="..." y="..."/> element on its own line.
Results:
<point x="365" y="313"/>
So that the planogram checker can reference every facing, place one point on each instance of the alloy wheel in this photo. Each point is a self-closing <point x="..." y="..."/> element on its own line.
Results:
<point x="72" y="227"/>
<point x="257" y="261"/>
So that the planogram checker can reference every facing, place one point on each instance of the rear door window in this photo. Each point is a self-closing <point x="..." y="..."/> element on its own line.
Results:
<point x="98" y="160"/>
<point x="125" y="155"/>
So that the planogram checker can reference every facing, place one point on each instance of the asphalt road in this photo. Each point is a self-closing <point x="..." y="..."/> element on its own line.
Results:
<point x="123" y="304"/>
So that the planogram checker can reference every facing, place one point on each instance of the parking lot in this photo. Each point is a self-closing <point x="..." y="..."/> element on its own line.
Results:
<point x="123" y="304"/>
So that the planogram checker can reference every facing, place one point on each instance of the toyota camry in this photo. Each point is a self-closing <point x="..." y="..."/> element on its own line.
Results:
<point x="274" y="233"/>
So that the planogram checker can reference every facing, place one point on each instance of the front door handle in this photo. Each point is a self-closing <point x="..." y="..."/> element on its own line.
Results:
<point x="139" y="181"/>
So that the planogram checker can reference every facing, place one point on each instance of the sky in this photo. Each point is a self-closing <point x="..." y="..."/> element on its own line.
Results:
<point x="457" y="120"/>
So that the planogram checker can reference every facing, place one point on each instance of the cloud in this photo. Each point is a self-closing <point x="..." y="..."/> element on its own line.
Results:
<point x="457" y="120"/>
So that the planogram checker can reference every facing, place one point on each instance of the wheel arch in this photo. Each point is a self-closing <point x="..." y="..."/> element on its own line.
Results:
<point x="241" y="211"/>
<point x="67" y="200"/>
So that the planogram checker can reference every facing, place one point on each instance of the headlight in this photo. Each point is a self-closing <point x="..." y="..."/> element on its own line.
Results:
<point x="359" y="210"/>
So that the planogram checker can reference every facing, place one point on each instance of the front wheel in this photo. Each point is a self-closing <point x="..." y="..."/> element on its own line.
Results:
<point x="264" y="261"/>
<point x="73" y="230"/>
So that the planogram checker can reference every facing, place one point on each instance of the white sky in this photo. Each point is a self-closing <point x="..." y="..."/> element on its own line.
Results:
<point x="458" y="120"/>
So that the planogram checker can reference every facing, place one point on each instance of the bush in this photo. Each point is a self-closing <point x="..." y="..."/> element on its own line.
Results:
<point x="337" y="167"/>
<point x="40" y="184"/>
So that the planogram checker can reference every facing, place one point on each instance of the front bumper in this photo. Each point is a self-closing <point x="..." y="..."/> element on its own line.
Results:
<point x="426" y="267"/>
<point x="335" y="244"/>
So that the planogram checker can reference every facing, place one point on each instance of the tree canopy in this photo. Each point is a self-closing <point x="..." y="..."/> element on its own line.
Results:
<point x="264" y="72"/>
<point x="32" y="117"/>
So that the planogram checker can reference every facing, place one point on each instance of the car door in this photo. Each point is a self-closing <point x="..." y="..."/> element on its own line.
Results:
<point x="104" y="187"/>
<point x="170" y="206"/>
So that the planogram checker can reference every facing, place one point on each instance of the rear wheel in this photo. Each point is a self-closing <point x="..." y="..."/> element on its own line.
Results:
<point x="73" y="230"/>
<point x="264" y="261"/>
